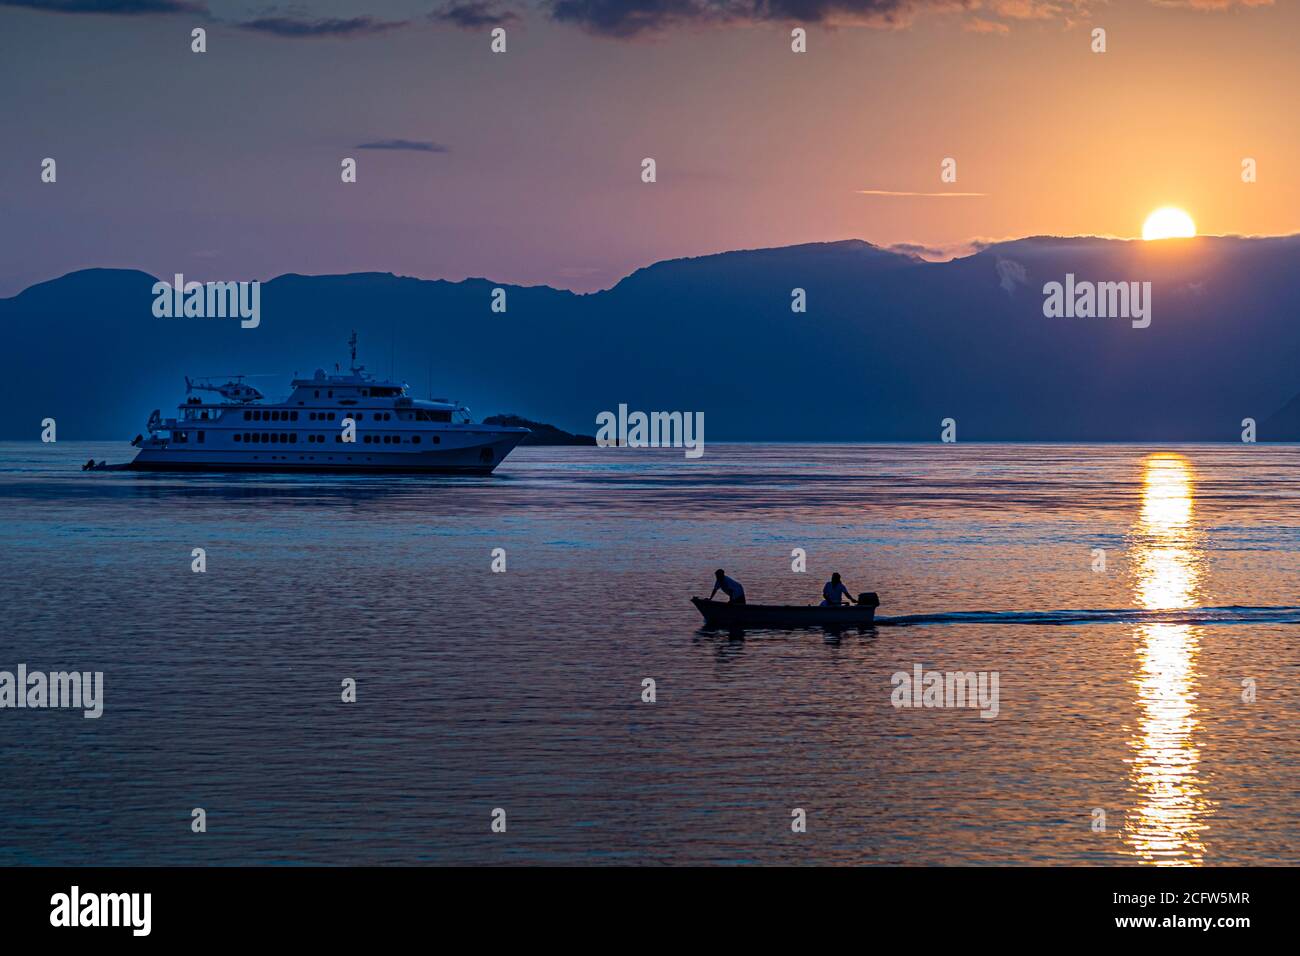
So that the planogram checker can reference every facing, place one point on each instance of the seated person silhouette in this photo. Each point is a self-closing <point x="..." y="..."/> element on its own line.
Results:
<point x="833" y="590"/>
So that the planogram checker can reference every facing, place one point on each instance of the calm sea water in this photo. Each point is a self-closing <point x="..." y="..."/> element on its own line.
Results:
<point x="522" y="690"/>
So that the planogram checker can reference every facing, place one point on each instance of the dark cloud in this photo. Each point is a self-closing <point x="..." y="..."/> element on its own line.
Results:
<point x="118" y="7"/>
<point x="294" y="28"/>
<point x="624" y="18"/>
<point x="472" y="14"/>
<point x="628" y="18"/>
<point x="413" y="145"/>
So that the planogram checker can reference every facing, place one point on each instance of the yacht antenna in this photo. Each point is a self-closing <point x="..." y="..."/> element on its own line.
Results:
<point x="352" y="342"/>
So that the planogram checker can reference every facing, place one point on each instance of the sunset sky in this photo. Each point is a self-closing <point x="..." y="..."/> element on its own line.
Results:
<point x="525" y="167"/>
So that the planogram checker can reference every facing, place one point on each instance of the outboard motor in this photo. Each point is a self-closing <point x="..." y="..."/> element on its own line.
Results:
<point x="869" y="598"/>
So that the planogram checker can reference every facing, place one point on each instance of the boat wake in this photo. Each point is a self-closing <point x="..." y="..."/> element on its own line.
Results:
<point x="1191" y="615"/>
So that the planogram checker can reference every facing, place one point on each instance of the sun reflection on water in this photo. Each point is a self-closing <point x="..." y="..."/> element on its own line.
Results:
<point x="1165" y="827"/>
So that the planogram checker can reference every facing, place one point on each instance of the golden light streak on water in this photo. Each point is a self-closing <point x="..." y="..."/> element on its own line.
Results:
<point x="1165" y="827"/>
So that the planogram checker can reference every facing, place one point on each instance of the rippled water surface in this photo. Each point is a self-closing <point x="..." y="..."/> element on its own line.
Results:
<point x="1139" y="606"/>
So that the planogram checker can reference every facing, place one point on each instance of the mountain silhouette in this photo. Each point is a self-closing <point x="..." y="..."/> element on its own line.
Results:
<point x="890" y="345"/>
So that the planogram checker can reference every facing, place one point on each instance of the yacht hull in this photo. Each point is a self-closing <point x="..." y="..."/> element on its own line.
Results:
<point x="480" y="459"/>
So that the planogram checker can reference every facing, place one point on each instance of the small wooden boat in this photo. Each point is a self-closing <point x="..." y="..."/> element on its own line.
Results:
<point x="724" y="614"/>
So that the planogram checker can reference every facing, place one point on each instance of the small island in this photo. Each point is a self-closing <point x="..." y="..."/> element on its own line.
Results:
<point x="541" y="434"/>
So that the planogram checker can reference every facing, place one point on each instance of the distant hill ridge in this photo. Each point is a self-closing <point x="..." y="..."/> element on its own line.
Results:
<point x="542" y="434"/>
<point x="890" y="344"/>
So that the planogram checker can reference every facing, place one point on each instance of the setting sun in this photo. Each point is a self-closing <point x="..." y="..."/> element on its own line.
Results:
<point x="1168" y="222"/>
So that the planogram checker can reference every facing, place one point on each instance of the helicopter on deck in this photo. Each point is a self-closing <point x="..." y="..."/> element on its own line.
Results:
<point x="234" y="390"/>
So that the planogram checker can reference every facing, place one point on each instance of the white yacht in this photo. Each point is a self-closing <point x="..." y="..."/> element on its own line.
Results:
<point x="345" y="422"/>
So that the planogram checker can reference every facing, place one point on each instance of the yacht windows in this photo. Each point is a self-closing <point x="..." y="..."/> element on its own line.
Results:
<point x="201" y="434"/>
<point x="415" y="439"/>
